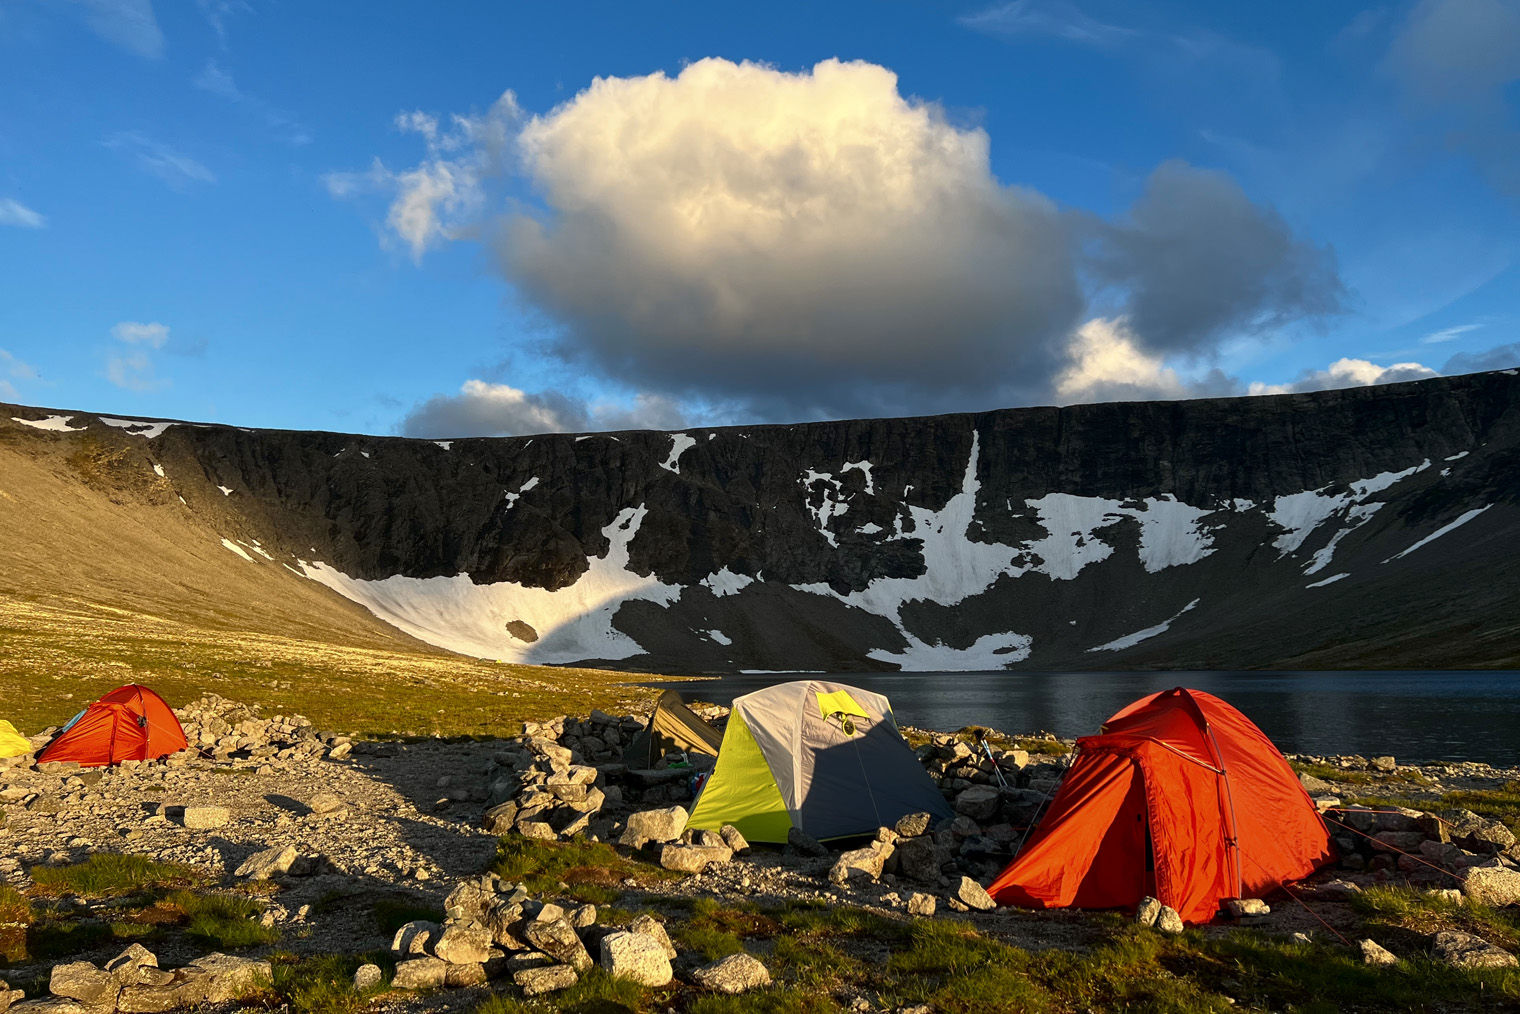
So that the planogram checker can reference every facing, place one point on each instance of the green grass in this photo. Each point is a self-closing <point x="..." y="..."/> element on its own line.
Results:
<point x="109" y="875"/>
<point x="593" y="871"/>
<point x="325" y="984"/>
<point x="1498" y="804"/>
<point x="222" y="920"/>
<point x="1421" y="913"/>
<point x="716" y="931"/>
<point x="1331" y="773"/>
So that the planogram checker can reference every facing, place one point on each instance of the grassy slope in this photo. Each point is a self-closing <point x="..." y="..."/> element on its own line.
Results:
<point x="107" y="578"/>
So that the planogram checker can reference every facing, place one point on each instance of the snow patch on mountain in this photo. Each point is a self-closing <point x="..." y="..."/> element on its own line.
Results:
<point x="1130" y="640"/>
<point x="1458" y="523"/>
<point x="573" y="623"/>
<point x="1299" y="514"/>
<point x="680" y="443"/>
<point x="53" y="423"/>
<point x="138" y="427"/>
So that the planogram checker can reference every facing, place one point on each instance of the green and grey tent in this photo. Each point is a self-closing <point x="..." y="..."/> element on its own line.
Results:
<point x="673" y="726"/>
<point x="822" y="757"/>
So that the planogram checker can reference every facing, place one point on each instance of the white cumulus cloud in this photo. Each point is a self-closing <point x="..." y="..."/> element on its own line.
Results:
<point x="1348" y="373"/>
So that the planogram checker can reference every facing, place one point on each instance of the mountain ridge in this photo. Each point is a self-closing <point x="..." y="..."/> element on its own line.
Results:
<point x="1264" y="532"/>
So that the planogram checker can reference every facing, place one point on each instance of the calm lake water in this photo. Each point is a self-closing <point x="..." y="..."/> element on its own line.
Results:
<point x="1416" y="716"/>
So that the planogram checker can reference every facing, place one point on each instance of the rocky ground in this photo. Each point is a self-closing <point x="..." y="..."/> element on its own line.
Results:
<point x="321" y="837"/>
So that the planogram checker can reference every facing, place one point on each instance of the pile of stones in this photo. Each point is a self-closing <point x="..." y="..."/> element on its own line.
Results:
<point x="227" y="730"/>
<point x="133" y="983"/>
<point x="495" y="930"/>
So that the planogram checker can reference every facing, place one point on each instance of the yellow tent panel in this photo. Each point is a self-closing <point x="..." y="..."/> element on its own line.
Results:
<point x="12" y="743"/>
<point x="742" y="791"/>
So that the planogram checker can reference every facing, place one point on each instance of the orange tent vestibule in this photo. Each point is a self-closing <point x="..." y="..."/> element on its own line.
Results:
<point x="1181" y="798"/>
<point x="129" y="723"/>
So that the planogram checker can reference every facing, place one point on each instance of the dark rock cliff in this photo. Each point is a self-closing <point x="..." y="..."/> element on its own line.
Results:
<point x="1247" y="532"/>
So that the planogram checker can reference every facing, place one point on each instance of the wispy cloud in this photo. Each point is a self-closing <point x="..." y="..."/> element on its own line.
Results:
<point x="174" y="168"/>
<point x="1449" y="334"/>
<point x="219" y="12"/>
<point x="130" y="331"/>
<point x="19" y="215"/>
<point x="1054" y="18"/>
<point x="13" y="369"/>
<point x="128" y="24"/>
<point x="134" y="369"/>
<point x="217" y="80"/>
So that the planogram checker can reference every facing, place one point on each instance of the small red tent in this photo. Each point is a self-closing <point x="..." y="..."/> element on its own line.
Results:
<point x="129" y="723"/>
<point x="1181" y="798"/>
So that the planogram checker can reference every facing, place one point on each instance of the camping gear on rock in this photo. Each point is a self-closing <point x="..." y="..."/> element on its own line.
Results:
<point x="12" y="743"/>
<point x="822" y="757"/>
<point x="672" y="727"/>
<point x="1181" y="798"/>
<point x="129" y="723"/>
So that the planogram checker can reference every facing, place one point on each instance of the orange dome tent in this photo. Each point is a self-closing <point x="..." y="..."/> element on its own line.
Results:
<point x="129" y="723"/>
<point x="1181" y="798"/>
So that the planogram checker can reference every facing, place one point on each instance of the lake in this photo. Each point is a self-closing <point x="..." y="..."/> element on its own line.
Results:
<point x="1416" y="716"/>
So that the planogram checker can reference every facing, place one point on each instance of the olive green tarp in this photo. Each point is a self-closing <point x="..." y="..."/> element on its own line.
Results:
<point x="672" y="727"/>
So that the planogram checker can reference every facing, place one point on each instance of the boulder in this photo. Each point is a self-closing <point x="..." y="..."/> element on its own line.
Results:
<point x="733" y="839"/>
<point x="920" y="859"/>
<point x="1374" y="953"/>
<point x="866" y="863"/>
<point x="583" y="917"/>
<point x="1315" y="786"/>
<point x="499" y="819"/>
<point x="921" y="904"/>
<point x="693" y="858"/>
<point x="1463" y="950"/>
<point x="204" y="818"/>
<point x="1168" y="921"/>
<point x="551" y="932"/>
<point x="1384" y="763"/>
<point x="414" y="937"/>
<point x="655" y="930"/>
<point x="82" y="981"/>
<point x="420" y="973"/>
<point x="737" y="973"/>
<point x="457" y="976"/>
<point x="51" y="1005"/>
<point x="637" y="957"/>
<point x="367" y="977"/>
<point x="1477" y="834"/>
<point x="324" y="803"/>
<point x="980" y="802"/>
<point x="548" y="979"/>
<point x="913" y="825"/>
<point x="1397" y="841"/>
<point x="269" y="863"/>
<point x="657" y="826"/>
<point x="805" y="843"/>
<point x="129" y="966"/>
<point x="973" y="895"/>
<point x="217" y="978"/>
<point x="463" y="943"/>
<point x="1240" y="908"/>
<point x="9" y="996"/>
<point x="1492" y="883"/>
<point x="1147" y="911"/>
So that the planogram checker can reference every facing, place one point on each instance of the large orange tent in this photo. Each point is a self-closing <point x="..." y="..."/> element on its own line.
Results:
<point x="129" y="723"/>
<point x="1181" y="798"/>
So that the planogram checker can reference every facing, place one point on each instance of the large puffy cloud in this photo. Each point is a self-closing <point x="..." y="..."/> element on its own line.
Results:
<point x="1199" y="259"/>
<point x="483" y="409"/>
<point x="811" y="244"/>
<point x="801" y="237"/>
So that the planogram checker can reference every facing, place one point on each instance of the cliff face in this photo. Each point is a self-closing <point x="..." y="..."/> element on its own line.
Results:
<point x="1371" y="527"/>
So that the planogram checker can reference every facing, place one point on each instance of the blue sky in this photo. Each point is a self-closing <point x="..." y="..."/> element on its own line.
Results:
<point x="333" y="216"/>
